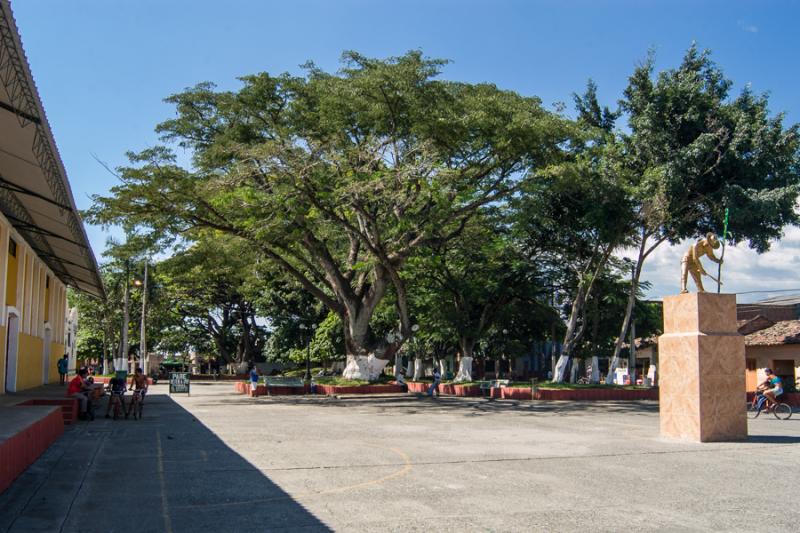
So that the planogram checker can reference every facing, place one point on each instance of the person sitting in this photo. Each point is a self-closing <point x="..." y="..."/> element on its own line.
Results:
<point x="776" y="386"/>
<point x="79" y="389"/>
<point x="116" y="386"/>
<point x="400" y="379"/>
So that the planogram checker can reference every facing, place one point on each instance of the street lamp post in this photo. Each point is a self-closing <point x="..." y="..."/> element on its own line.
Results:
<point x="503" y="355"/>
<point x="308" y="349"/>
<point x="121" y="362"/>
<point x="144" y="360"/>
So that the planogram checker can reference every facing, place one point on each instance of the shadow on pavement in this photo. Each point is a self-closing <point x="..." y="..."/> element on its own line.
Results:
<point x="411" y="404"/>
<point x="167" y="472"/>
<point x="773" y="439"/>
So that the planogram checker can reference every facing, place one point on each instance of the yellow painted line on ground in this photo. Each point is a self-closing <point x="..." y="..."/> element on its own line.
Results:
<point x="164" y="502"/>
<point x="401" y="472"/>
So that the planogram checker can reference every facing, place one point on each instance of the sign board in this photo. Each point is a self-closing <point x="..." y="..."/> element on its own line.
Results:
<point x="179" y="382"/>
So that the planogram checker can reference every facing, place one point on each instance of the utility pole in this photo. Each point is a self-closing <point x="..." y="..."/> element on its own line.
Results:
<point x="122" y="360"/>
<point x="144" y="359"/>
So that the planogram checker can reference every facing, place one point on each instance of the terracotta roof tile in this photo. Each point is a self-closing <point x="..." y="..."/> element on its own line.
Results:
<point x="783" y="332"/>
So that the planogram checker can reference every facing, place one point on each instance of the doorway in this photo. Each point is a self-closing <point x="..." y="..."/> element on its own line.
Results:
<point x="750" y="375"/>
<point x="12" y="348"/>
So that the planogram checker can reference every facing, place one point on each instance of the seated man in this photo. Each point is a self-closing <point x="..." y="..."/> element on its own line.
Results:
<point x="117" y="388"/>
<point x="79" y="389"/>
<point x="400" y="379"/>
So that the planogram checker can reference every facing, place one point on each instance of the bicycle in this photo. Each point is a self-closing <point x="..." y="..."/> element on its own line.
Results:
<point x="781" y="411"/>
<point x="136" y="405"/>
<point x="117" y="402"/>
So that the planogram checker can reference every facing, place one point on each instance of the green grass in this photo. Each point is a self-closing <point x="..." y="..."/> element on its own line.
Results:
<point x="339" y="380"/>
<point x="300" y="372"/>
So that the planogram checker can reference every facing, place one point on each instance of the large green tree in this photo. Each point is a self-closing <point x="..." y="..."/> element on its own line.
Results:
<point x="569" y="222"/>
<point x="339" y="178"/>
<point x="691" y="149"/>
<point x="467" y="285"/>
<point x="208" y="283"/>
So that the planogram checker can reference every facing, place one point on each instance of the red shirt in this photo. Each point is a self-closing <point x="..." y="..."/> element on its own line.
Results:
<point x="75" y="385"/>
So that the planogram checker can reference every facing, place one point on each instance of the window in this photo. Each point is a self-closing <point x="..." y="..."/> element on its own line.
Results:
<point x="12" y="248"/>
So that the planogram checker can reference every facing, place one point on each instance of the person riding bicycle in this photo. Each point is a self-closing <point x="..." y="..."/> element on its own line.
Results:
<point x="776" y="384"/>
<point x="138" y="380"/>
<point x="116" y="387"/>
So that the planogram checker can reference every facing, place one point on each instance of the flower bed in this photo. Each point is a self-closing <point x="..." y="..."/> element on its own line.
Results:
<point x="243" y="387"/>
<point x="418" y="386"/>
<point x="467" y="390"/>
<point x="597" y="394"/>
<point x="449" y="389"/>
<point x="359" y="389"/>
<point x="515" y="393"/>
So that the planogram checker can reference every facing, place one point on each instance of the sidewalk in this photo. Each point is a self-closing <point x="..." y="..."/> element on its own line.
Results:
<point x="45" y="391"/>
<point x="143" y="476"/>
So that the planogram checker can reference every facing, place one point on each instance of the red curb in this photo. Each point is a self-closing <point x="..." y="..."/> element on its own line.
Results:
<point x="22" y="449"/>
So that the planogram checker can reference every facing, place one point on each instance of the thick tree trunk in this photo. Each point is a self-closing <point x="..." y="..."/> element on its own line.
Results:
<point x="595" y="376"/>
<point x="464" y="370"/>
<point x="574" y="332"/>
<point x="573" y="371"/>
<point x="366" y="367"/>
<point x="644" y="252"/>
<point x="571" y="337"/>
<point x="398" y="363"/>
<point x="467" y="346"/>
<point x="365" y="359"/>
<point x="626" y="322"/>
<point x="419" y="367"/>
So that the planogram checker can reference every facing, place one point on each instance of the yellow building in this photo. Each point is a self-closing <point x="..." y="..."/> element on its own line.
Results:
<point x="43" y="245"/>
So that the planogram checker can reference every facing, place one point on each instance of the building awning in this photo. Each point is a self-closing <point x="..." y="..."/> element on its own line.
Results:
<point x="35" y="195"/>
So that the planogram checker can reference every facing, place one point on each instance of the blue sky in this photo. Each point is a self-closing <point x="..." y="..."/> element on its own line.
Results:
<point x="103" y="66"/>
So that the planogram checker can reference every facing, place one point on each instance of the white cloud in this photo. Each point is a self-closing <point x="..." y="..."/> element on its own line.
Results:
<point x="743" y="271"/>
<point x="749" y="28"/>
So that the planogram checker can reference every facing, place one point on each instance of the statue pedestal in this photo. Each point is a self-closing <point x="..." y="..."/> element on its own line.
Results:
<point x="702" y="367"/>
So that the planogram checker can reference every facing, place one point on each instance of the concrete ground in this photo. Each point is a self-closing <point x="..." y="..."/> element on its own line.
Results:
<point x="216" y="461"/>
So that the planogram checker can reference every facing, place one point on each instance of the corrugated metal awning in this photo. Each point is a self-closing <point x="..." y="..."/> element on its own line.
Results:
<point x="35" y="195"/>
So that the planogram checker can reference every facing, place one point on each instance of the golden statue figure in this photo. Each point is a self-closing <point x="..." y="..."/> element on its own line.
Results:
<point x="691" y="261"/>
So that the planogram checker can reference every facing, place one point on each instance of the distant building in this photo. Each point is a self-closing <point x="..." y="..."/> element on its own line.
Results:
<point x="771" y="330"/>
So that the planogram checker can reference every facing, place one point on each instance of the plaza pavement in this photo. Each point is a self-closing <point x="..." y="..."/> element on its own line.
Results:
<point x="220" y="462"/>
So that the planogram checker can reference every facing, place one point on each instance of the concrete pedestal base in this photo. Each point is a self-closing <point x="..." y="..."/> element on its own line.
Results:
<point x="702" y="381"/>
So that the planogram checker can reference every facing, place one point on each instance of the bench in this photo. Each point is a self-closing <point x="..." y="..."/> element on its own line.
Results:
<point x="487" y="386"/>
<point x="276" y="383"/>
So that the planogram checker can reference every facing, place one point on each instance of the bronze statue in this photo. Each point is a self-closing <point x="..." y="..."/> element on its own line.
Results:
<point x="691" y="261"/>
